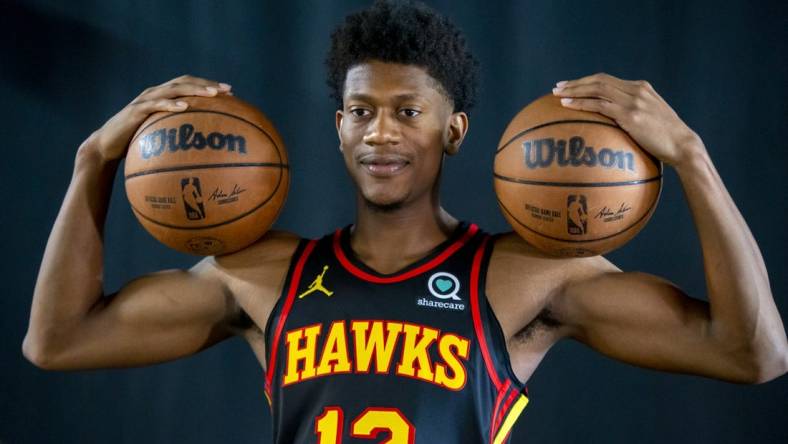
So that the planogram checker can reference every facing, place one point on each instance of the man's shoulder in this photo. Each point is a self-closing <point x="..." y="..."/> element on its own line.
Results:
<point x="511" y="243"/>
<point x="523" y="283"/>
<point x="255" y="277"/>
<point x="511" y="246"/>
<point x="526" y="264"/>
<point x="511" y="250"/>
<point x="274" y="247"/>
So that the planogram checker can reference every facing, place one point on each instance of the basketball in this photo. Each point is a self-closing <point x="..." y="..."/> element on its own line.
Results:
<point x="209" y="180"/>
<point x="573" y="183"/>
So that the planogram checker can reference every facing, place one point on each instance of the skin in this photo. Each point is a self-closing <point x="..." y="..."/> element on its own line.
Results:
<point x="395" y="129"/>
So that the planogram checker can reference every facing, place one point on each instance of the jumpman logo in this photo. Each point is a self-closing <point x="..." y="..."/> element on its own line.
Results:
<point x="317" y="285"/>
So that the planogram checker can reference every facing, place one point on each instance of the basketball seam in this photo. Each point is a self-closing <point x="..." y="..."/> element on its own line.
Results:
<point x="241" y="216"/>
<point x="206" y="166"/>
<point x="646" y="213"/>
<point x="655" y="161"/>
<point x="555" y="122"/>
<point x="575" y="184"/>
<point x="271" y="139"/>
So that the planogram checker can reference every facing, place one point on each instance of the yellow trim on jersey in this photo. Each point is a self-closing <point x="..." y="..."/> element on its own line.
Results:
<point x="511" y="418"/>
<point x="270" y="403"/>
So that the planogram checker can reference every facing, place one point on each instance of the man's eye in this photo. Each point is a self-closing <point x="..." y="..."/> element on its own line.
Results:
<point x="410" y="112"/>
<point x="359" y="112"/>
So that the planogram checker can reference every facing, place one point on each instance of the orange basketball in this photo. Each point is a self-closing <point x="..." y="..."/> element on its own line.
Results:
<point x="573" y="183"/>
<point x="209" y="180"/>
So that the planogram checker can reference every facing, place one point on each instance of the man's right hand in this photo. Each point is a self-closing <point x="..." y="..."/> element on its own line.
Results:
<point x="111" y="141"/>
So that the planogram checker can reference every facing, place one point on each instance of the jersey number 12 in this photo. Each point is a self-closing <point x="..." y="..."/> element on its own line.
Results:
<point x="373" y="420"/>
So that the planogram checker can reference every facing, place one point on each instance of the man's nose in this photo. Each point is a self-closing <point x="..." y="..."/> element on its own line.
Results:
<point x="382" y="129"/>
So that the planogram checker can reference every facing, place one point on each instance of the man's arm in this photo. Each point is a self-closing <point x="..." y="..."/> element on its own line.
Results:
<point x="647" y="321"/>
<point x="152" y="319"/>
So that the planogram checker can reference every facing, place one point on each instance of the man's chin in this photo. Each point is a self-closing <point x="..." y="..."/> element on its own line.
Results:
<point x="383" y="206"/>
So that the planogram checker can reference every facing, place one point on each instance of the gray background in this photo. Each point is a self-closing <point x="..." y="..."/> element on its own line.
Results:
<point x="68" y="66"/>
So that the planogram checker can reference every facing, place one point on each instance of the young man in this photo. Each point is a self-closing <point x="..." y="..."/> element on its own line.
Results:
<point x="408" y="322"/>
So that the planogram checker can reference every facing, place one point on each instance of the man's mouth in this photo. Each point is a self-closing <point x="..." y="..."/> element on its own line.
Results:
<point x="382" y="165"/>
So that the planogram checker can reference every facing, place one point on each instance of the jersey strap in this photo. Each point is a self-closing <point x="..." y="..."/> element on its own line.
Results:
<point x="511" y="396"/>
<point x="302" y="254"/>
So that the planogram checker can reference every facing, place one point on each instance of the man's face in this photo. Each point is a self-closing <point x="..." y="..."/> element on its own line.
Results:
<point x="393" y="129"/>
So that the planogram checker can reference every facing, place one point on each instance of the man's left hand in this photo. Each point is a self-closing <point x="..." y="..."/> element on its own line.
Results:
<point x="636" y="108"/>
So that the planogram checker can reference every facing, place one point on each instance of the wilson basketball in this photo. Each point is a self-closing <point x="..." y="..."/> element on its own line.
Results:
<point x="573" y="183"/>
<point x="209" y="180"/>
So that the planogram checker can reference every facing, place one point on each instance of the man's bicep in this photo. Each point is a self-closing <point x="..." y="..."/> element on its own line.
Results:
<point x="155" y="318"/>
<point x="646" y="321"/>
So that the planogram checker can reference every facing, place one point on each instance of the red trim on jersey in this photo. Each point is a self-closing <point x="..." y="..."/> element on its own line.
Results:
<point x="359" y="273"/>
<point x="294" y="280"/>
<point x="494" y="420"/>
<point x="504" y="411"/>
<point x="477" y="319"/>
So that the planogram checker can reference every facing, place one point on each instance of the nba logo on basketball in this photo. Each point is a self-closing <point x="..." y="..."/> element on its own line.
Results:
<point x="192" y="198"/>
<point x="576" y="214"/>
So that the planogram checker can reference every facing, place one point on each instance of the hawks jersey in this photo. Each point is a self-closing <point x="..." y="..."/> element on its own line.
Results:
<point x="356" y="356"/>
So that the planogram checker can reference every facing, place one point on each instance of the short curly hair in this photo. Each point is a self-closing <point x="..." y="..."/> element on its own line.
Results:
<point x="408" y="33"/>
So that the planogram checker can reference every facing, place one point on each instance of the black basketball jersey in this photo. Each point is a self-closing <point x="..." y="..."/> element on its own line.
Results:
<point x="355" y="356"/>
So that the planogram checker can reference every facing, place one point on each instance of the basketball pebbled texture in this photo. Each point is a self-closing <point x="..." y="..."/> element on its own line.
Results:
<point x="573" y="183"/>
<point x="209" y="180"/>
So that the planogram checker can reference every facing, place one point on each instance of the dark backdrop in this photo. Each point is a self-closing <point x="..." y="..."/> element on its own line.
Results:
<point x="68" y="66"/>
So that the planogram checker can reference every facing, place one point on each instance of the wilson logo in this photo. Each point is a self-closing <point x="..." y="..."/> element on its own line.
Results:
<point x="542" y="153"/>
<point x="185" y="138"/>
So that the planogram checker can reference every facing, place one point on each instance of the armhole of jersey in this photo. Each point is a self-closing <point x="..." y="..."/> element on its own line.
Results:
<point x="282" y="307"/>
<point x="280" y="300"/>
<point x="493" y="341"/>
<point x="512" y="396"/>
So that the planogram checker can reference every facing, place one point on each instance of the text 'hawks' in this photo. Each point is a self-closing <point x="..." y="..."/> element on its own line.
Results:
<point x="375" y="341"/>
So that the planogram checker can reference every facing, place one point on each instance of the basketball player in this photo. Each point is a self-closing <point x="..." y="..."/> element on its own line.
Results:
<point x="412" y="325"/>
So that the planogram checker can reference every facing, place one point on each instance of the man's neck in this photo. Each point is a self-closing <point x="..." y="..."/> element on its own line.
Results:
<point x="388" y="241"/>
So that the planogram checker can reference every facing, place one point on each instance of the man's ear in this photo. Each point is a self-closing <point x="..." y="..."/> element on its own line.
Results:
<point x="339" y="117"/>
<point x="455" y="133"/>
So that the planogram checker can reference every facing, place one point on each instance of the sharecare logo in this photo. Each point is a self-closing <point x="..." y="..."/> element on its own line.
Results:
<point x="443" y="286"/>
